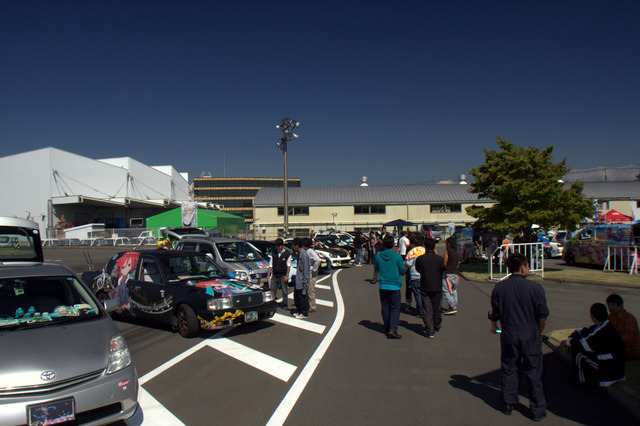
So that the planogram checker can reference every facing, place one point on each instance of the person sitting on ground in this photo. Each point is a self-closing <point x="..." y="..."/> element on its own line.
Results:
<point x="626" y="325"/>
<point x="597" y="351"/>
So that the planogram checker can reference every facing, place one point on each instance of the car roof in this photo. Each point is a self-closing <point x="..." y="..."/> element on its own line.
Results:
<point x="36" y="269"/>
<point x="162" y="253"/>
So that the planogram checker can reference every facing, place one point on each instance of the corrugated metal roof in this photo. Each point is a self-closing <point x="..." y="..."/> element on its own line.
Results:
<point x="612" y="190"/>
<point x="401" y="194"/>
<point x="352" y="195"/>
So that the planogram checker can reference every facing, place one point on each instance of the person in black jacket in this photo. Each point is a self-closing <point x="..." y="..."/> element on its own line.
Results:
<point x="278" y="274"/>
<point x="431" y="266"/>
<point x="597" y="351"/>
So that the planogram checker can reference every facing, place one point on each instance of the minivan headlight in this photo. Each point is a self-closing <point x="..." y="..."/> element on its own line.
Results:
<point x="119" y="356"/>
<point x="215" y="304"/>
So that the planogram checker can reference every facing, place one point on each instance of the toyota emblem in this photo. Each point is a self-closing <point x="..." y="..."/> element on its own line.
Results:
<point x="48" y="375"/>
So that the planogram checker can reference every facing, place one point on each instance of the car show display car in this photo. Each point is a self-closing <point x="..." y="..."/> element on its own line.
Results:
<point x="236" y="257"/>
<point x="63" y="358"/>
<point x="184" y="289"/>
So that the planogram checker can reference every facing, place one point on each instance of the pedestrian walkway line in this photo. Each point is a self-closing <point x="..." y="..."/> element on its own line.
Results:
<point x="270" y="365"/>
<point x="154" y="413"/>
<point x="323" y="287"/>
<point x="305" y="325"/>
<point x="320" y="302"/>
<point x="284" y="409"/>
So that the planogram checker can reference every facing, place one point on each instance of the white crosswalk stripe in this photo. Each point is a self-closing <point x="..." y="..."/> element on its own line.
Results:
<point x="294" y="322"/>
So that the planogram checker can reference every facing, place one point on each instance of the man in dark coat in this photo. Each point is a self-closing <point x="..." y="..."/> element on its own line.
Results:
<point x="430" y="266"/>
<point x="520" y="305"/>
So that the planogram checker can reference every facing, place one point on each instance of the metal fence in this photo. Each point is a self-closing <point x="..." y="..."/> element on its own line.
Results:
<point x="533" y="251"/>
<point x="622" y="258"/>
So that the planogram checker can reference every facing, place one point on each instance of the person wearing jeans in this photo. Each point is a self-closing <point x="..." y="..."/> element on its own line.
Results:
<point x="450" y="277"/>
<point x="415" y="250"/>
<point x="390" y="267"/>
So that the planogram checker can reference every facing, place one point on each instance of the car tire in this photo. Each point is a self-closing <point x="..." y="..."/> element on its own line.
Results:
<point x="547" y="254"/>
<point x="570" y="259"/>
<point x="187" y="322"/>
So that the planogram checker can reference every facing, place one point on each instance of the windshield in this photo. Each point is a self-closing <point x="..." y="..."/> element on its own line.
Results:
<point x="40" y="301"/>
<point x="178" y="268"/>
<point x="237" y="251"/>
<point x="20" y="244"/>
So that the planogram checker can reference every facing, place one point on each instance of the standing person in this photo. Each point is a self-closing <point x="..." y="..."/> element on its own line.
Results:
<point x="450" y="277"/>
<point x="521" y="307"/>
<point x="430" y="266"/>
<point x="383" y="233"/>
<point x="403" y="243"/>
<point x="416" y="250"/>
<point x="278" y="273"/>
<point x="390" y="266"/>
<point x="314" y="263"/>
<point x="300" y="295"/>
<point x="372" y="246"/>
<point x="358" y="243"/>
<point x="625" y="324"/>
<point x="378" y="247"/>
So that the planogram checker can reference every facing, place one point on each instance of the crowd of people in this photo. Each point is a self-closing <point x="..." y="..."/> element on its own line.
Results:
<point x="518" y="309"/>
<point x="428" y="278"/>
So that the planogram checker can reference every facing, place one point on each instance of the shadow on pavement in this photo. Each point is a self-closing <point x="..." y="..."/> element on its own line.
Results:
<point x="583" y="406"/>
<point x="374" y="326"/>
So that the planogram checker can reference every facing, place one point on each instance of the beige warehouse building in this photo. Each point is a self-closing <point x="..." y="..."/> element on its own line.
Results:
<point x="349" y="208"/>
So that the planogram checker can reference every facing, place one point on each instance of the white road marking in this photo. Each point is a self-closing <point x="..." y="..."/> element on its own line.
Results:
<point x="323" y="287"/>
<point x="154" y="413"/>
<point x="319" y="301"/>
<point x="305" y="325"/>
<point x="270" y="365"/>
<point x="290" y="399"/>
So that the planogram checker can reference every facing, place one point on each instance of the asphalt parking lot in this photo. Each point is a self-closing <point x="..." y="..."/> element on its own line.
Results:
<point x="338" y="367"/>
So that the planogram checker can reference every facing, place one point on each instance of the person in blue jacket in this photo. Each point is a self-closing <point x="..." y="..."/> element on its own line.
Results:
<point x="391" y="268"/>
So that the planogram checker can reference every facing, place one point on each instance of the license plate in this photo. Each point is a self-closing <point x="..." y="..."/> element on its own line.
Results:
<point x="251" y="316"/>
<point x="52" y="412"/>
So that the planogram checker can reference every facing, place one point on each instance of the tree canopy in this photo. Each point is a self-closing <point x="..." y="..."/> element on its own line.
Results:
<point x="527" y="186"/>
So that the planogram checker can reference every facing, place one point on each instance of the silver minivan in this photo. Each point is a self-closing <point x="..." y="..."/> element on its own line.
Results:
<point x="63" y="358"/>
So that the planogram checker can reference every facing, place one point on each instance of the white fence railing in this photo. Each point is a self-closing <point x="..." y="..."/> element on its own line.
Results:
<point x="622" y="258"/>
<point x="533" y="251"/>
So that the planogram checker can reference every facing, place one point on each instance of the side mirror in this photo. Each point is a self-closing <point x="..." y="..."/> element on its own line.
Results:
<point x="110" y="305"/>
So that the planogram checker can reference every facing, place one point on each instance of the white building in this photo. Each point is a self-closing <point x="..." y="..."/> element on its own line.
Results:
<point x="51" y="187"/>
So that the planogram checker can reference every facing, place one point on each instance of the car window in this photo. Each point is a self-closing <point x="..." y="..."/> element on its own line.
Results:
<point x="206" y="248"/>
<point x="40" y="301"/>
<point x="17" y="243"/>
<point x="188" y="246"/>
<point x="237" y="251"/>
<point x="150" y="271"/>
<point x="179" y="268"/>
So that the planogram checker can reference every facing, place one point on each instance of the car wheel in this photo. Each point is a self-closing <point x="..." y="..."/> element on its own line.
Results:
<point x="547" y="254"/>
<point x="187" y="321"/>
<point x="570" y="259"/>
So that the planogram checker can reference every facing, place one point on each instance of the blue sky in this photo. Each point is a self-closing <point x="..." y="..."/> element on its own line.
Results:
<point x="399" y="91"/>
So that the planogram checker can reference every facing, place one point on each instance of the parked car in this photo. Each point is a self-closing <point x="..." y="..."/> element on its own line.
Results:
<point x="236" y="257"/>
<point x="176" y="234"/>
<point x="184" y="289"/>
<point x="337" y="257"/>
<point x="267" y="247"/>
<point x="591" y="244"/>
<point x="63" y="358"/>
<point x="332" y="241"/>
<point x="550" y="248"/>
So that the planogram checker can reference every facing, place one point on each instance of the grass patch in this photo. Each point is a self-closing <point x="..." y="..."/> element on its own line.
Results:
<point x="480" y="272"/>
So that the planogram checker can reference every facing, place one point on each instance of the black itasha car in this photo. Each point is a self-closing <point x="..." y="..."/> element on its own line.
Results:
<point x="181" y="288"/>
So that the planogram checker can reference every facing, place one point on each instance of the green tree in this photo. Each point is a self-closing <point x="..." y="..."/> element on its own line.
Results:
<point x="527" y="186"/>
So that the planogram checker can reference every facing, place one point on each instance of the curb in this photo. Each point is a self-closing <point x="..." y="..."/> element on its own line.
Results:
<point x="623" y="398"/>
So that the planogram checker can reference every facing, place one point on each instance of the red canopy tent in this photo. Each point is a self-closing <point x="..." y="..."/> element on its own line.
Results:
<point x="615" y="216"/>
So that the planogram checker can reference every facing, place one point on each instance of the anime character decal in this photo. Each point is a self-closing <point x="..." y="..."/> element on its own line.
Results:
<point x="125" y="268"/>
<point x="224" y="288"/>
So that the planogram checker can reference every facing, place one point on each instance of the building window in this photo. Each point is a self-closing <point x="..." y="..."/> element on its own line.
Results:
<point x="445" y="208"/>
<point x="295" y="232"/>
<point x="376" y="209"/>
<point x="294" y="211"/>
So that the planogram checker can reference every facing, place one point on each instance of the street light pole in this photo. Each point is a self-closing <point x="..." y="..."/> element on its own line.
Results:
<point x="286" y="126"/>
